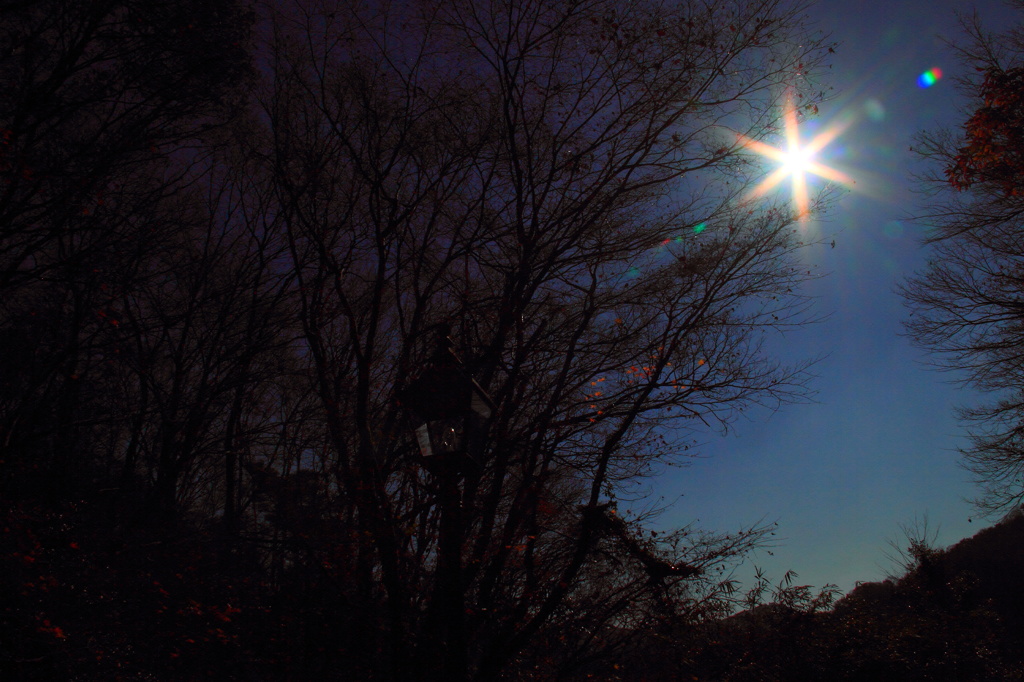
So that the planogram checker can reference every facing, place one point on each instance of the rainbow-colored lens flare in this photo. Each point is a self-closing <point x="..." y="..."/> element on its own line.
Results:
<point x="929" y="77"/>
<point x="796" y="160"/>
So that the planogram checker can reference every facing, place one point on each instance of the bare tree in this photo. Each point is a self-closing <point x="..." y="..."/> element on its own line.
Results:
<point x="917" y="546"/>
<point x="563" y="184"/>
<point x="203" y="333"/>
<point x="966" y="305"/>
<point x="97" y="98"/>
<point x="90" y="89"/>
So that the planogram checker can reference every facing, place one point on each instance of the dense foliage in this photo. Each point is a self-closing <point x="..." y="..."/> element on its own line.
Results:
<point x="993" y="153"/>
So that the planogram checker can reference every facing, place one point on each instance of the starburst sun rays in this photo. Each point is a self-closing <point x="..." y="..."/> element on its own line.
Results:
<point x="796" y="161"/>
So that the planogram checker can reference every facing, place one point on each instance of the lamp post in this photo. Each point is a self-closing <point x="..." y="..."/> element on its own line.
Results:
<point x="449" y="404"/>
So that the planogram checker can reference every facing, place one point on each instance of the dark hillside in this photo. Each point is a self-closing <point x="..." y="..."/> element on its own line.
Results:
<point x="956" y="615"/>
<point x="995" y="558"/>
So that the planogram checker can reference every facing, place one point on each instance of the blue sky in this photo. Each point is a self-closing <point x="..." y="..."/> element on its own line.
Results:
<point x="878" y="448"/>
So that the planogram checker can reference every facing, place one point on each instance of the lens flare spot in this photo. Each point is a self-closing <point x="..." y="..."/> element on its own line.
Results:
<point x="633" y="272"/>
<point x="874" y="109"/>
<point x="697" y="229"/>
<point x="929" y="77"/>
<point x="893" y="229"/>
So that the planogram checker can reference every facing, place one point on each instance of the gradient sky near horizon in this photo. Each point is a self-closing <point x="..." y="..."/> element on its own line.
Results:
<point x="878" y="447"/>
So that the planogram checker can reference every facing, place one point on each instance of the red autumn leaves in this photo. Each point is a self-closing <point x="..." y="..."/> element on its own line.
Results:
<point x="993" y="153"/>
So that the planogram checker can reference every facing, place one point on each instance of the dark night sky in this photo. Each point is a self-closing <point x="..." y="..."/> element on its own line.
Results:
<point x="877" y="449"/>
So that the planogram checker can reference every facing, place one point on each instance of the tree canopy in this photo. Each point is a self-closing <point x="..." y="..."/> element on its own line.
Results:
<point x="223" y="267"/>
<point x="966" y="304"/>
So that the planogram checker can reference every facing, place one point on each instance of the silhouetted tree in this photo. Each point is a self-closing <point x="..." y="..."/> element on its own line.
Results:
<point x="216" y="283"/>
<point x="90" y="89"/>
<point x="97" y="98"/>
<point x="967" y="303"/>
<point x="563" y="184"/>
<point x="206" y="337"/>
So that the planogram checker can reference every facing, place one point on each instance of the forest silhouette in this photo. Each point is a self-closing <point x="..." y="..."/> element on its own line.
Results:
<point x="332" y="335"/>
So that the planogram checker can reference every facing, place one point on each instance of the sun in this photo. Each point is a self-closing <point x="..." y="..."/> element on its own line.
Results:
<point x="796" y="161"/>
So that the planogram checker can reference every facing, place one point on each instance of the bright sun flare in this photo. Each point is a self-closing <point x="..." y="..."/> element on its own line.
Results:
<point x="796" y="161"/>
